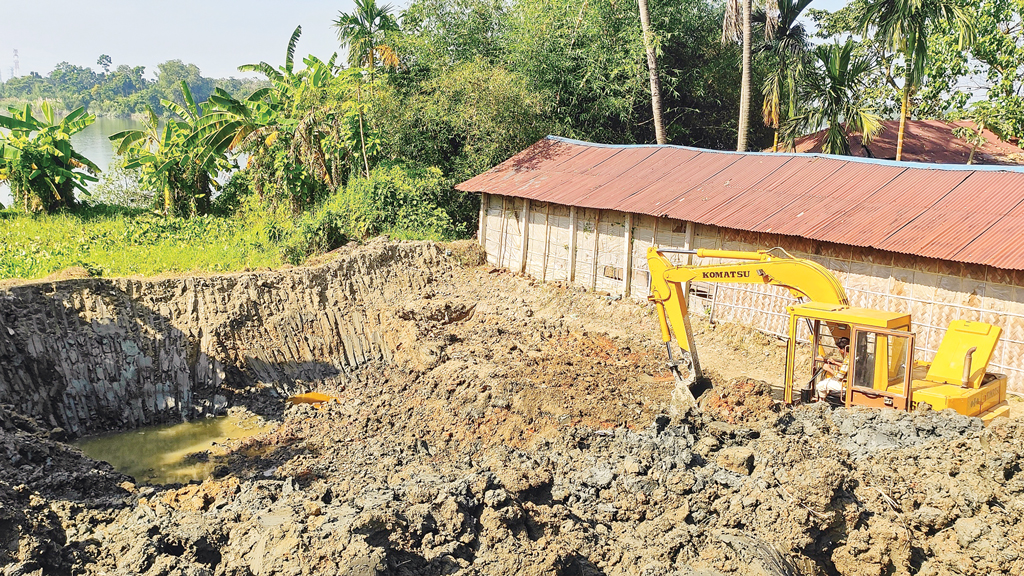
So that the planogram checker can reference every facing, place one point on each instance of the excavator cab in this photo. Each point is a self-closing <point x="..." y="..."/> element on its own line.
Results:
<point x="882" y="371"/>
<point x="881" y="348"/>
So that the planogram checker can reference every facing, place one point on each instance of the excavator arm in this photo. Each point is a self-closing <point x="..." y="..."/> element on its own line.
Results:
<point x="804" y="279"/>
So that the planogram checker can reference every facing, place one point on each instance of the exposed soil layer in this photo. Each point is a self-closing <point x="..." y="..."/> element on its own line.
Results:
<point x="520" y="428"/>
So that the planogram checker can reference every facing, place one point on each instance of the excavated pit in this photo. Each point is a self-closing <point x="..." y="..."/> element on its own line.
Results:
<point x="485" y="424"/>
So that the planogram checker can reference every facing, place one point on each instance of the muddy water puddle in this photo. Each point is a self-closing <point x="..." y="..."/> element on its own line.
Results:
<point x="171" y="453"/>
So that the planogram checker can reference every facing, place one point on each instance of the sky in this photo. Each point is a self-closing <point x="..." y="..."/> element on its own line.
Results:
<point x="215" y="35"/>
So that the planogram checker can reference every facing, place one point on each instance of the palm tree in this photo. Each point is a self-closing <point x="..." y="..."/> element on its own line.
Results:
<point x="736" y="27"/>
<point x="652" y="67"/>
<point x="905" y="25"/>
<point x="833" y="89"/>
<point x="364" y="32"/>
<point x="785" y="40"/>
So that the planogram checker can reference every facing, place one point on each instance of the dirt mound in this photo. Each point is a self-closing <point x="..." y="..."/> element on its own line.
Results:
<point x="40" y="478"/>
<point x="510" y="435"/>
<point x="367" y="494"/>
<point x="467" y="252"/>
<point x="740" y="400"/>
<point x="69" y="273"/>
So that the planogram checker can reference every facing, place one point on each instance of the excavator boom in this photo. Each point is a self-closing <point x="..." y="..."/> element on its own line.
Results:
<point x="803" y="278"/>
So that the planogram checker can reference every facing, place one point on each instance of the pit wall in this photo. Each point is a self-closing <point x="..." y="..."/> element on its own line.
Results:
<point x="561" y="245"/>
<point x="99" y="354"/>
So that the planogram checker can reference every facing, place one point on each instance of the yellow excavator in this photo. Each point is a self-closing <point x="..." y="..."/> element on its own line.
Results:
<point x="881" y="370"/>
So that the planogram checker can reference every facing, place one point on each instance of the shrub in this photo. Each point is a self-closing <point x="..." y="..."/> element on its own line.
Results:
<point x="120" y="186"/>
<point x="232" y="195"/>
<point x="400" y="200"/>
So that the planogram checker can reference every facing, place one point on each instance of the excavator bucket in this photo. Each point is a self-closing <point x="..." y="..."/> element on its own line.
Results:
<point x="690" y="380"/>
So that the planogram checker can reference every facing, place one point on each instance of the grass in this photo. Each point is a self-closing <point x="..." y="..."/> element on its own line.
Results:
<point x="400" y="201"/>
<point x="119" y="242"/>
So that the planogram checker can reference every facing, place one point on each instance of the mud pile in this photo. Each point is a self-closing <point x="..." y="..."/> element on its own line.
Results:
<point x="511" y="434"/>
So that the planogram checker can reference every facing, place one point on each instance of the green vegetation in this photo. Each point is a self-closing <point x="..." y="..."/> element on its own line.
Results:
<point x="124" y="242"/>
<point x="123" y="91"/>
<point x="323" y="152"/>
<point x="784" y="45"/>
<point x="833" y="86"/>
<point x="402" y="201"/>
<point x="904" y="27"/>
<point x="166" y="162"/>
<point x="120" y="186"/>
<point x="37" y="160"/>
<point x="960" y="51"/>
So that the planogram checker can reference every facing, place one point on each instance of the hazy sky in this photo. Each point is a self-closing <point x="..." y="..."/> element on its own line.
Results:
<point x="216" y="35"/>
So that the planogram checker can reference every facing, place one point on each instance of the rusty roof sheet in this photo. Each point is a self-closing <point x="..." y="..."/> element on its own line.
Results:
<point x="897" y="202"/>
<point x="697" y="202"/>
<point x="827" y="199"/>
<point x="748" y="208"/>
<point x="925" y="141"/>
<point x="966" y="214"/>
<point x="952" y="223"/>
<point x="679" y="177"/>
<point x="998" y="246"/>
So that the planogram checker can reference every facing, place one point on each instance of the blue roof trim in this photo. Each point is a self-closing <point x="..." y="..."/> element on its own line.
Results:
<point x="876" y="161"/>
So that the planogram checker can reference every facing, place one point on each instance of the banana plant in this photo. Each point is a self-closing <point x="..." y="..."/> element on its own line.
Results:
<point x="295" y="132"/>
<point x="169" y="161"/>
<point x="38" y="160"/>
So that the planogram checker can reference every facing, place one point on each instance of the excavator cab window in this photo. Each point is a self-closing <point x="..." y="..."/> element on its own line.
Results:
<point x="863" y="350"/>
<point x="877" y="362"/>
<point x="878" y="371"/>
<point x="827" y="358"/>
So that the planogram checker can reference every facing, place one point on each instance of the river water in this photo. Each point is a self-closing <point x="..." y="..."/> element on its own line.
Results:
<point x="93" y="143"/>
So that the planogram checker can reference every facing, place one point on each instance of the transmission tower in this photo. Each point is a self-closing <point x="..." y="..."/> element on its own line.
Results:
<point x="17" y="67"/>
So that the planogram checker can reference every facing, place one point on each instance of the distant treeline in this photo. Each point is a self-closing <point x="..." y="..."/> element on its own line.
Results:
<point x="121" y="91"/>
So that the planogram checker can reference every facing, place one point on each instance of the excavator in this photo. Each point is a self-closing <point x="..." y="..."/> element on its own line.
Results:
<point x="881" y="364"/>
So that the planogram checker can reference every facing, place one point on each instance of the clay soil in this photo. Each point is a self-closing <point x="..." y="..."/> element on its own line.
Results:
<point x="524" y="428"/>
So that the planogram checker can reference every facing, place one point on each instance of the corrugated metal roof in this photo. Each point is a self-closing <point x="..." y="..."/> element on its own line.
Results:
<point x="929" y="141"/>
<point x="899" y="201"/>
<point x="827" y="199"/>
<point x="657" y="198"/>
<point x="748" y="208"/>
<point x="697" y="202"/>
<point x="959" y="213"/>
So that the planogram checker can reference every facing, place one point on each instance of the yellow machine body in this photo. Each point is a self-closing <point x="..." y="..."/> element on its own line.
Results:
<point x="943" y="383"/>
<point x="965" y="385"/>
<point x="881" y="343"/>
